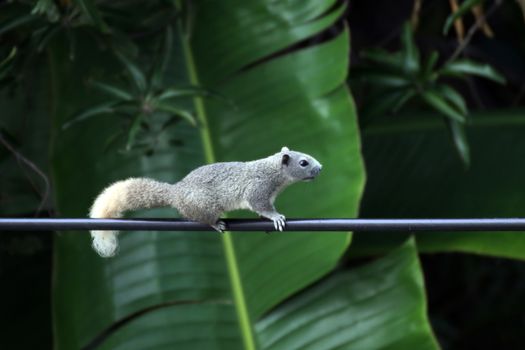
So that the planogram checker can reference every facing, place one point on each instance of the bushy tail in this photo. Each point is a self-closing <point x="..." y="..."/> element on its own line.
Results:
<point x="122" y="196"/>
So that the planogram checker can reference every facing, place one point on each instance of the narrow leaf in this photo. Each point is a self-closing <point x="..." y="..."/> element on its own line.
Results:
<point x="5" y="64"/>
<point x="47" y="8"/>
<point x="107" y="107"/>
<point x="176" y="111"/>
<point x="194" y="91"/>
<point x="112" y="90"/>
<point x="387" y="102"/>
<point x="134" y="72"/>
<point x="459" y="138"/>
<point x="453" y="96"/>
<point x="91" y="11"/>
<point x="403" y="99"/>
<point x="156" y="80"/>
<point x="436" y="101"/>
<point x="410" y="51"/>
<point x="383" y="79"/>
<point x="47" y="36"/>
<point x="430" y="63"/>
<point x="133" y="131"/>
<point x="463" y="8"/>
<point x="17" y="22"/>
<point x="9" y="57"/>
<point x="460" y="67"/>
<point x="186" y="91"/>
<point x="383" y="57"/>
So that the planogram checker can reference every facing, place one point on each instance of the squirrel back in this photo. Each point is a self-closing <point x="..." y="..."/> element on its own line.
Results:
<point x="207" y="192"/>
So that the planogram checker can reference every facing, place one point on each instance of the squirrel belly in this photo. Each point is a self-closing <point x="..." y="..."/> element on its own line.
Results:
<point x="122" y="196"/>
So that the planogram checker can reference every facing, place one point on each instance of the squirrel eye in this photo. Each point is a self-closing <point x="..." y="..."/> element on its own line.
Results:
<point x="303" y="163"/>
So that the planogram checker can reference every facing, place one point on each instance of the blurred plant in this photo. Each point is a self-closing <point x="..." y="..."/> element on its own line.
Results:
<point x="6" y="64"/>
<point x="395" y="78"/>
<point x="32" y="25"/>
<point x="143" y="100"/>
<point x="474" y="6"/>
<point x="44" y="19"/>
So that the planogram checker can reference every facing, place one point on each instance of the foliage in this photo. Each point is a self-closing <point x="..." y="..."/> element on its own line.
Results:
<point x="176" y="84"/>
<point x="399" y="77"/>
<point x="231" y="271"/>
<point x="142" y="101"/>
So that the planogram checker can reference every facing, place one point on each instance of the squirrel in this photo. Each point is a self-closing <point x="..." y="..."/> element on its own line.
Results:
<point x="207" y="192"/>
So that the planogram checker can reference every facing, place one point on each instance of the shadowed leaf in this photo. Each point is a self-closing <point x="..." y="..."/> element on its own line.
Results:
<point x="459" y="68"/>
<point x="436" y="101"/>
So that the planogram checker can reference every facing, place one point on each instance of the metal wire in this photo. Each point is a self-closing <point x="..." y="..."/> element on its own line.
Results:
<point x="361" y="225"/>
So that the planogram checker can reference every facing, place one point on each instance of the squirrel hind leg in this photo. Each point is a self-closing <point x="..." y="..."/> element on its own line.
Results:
<point x="219" y="226"/>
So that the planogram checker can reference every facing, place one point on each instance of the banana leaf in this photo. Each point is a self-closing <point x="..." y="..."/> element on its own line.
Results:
<point x="414" y="173"/>
<point x="215" y="287"/>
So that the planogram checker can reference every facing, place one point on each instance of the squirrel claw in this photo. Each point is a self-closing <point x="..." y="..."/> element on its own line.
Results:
<point x="279" y="222"/>
<point x="219" y="226"/>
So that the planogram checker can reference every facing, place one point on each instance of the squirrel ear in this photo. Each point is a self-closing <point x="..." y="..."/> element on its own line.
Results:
<point x="284" y="149"/>
<point x="285" y="159"/>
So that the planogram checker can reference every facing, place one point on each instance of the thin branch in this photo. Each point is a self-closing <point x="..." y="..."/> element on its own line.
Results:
<point x="337" y="225"/>
<point x="414" y="17"/>
<point x="480" y="21"/>
<point x="33" y="167"/>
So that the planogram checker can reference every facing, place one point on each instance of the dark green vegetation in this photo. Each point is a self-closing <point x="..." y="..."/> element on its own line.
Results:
<point x="95" y="91"/>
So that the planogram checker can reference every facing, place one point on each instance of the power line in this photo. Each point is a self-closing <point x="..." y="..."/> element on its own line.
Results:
<point x="362" y="225"/>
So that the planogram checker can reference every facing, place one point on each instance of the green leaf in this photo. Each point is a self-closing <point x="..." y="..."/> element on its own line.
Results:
<point x="436" y="101"/>
<point x="381" y="79"/>
<point x="134" y="71"/>
<point x="160" y="70"/>
<point x="409" y="50"/>
<point x="465" y="6"/>
<point x="459" y="138"/>
<point x="377" y="306"/>
<point x="403" y="99"/>
<point x="90" y="10"/>
<point x="48" y="34"/>
<point x="182" y="92"/>
<point x="112" y="90"/>
<point x="220" y="279"/>
<point x="390" y="101"/>
<point x="9" y="57"/>
<point x="461" y="67"/>
<point x="47" y="8"/>
<point x="16" y="22"/>
<point x="90" y="112"/>
<point x="416" y="153"/>
<point x="166" y="107"/>
<point x="6" y="63"/>
<point x="133" y="131"/>
<point x="430" y="63"/>
<point x="453" y="96"/>
<point x="390" y="59"/>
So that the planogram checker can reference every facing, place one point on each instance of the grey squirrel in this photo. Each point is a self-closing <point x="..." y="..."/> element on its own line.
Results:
<point x="207" y="192"/>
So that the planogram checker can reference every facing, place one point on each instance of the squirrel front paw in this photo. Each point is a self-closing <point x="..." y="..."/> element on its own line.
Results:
<point x="279" y="221"/>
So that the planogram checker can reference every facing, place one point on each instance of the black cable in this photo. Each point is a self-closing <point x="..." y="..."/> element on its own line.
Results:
<point x="405" y="225"/>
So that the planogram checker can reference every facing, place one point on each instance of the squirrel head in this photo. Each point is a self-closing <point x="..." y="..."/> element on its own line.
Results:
<point x="299" y="166"/>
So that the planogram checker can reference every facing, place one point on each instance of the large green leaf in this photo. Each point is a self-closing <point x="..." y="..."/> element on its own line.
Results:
<point x="413" y="172"/>
<point x="378" y="306"/>
<point x="297" y="99"/>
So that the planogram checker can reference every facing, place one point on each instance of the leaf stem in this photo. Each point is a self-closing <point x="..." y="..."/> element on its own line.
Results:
<point x="228" y="246"/>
